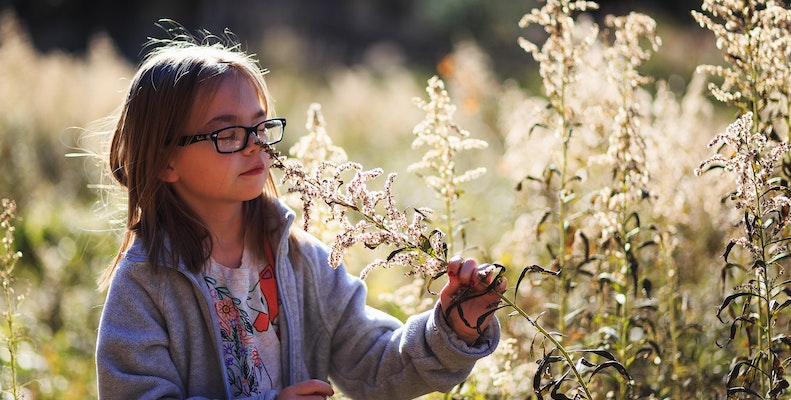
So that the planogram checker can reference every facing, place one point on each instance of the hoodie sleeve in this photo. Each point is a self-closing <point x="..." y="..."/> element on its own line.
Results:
<point x="374" y="355"/>
<point x="137" y="354"/>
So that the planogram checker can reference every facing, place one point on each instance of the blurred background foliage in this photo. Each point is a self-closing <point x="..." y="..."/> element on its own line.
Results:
<point x="64" y="65"/>
<point x="313" y="34"/>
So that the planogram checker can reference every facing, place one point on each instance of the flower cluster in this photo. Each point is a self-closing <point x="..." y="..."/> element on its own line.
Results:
<point x="368" y="217"/>
<point x="445" y="140"/>
<point x="626" y="153"/>
<point x="8" y="257"/>
<point x="560" y="54"/>
<point x="313" y="149"/>
<point x="753" y="159"/>
<point x="753" y="37"/>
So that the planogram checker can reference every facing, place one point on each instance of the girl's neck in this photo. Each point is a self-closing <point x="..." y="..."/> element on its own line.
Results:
<point x="228" y="254"/>
<point x="228" y="236"/>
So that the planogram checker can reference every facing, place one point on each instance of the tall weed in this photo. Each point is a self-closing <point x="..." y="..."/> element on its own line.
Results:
<point x="12" y="332"/>
<point x="754" y="150"/>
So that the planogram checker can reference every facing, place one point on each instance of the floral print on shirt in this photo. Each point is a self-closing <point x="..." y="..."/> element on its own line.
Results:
<point x="243" y="364"/>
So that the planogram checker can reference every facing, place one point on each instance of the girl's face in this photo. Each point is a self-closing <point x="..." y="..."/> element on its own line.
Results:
<point x="205" y="179"/>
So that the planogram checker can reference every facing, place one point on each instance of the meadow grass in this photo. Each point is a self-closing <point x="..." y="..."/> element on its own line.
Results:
<point x="645" y="259"/>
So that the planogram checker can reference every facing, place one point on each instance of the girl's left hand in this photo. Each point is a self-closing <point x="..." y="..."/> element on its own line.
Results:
<point x="464" y="299"/>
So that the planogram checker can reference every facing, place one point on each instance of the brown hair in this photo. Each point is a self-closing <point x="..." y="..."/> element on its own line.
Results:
<point x="159" y="100"/>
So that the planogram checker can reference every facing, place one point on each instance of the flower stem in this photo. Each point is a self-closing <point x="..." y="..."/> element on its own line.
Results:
<point x="555" y="342"/>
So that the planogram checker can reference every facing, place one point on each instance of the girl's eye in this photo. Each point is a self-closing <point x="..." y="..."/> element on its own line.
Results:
<point x="230" y="134"/>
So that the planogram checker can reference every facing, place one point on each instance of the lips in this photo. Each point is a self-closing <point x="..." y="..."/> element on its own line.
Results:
<point x="255" y="170"/>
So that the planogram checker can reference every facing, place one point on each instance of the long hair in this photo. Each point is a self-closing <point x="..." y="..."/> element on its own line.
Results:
<point x="161" y="94"/>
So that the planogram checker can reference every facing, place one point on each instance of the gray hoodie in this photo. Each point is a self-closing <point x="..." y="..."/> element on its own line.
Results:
<point x="159" y="339"/>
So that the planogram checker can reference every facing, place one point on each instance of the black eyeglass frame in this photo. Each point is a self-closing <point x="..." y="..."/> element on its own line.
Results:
<point x="188" y="140"/>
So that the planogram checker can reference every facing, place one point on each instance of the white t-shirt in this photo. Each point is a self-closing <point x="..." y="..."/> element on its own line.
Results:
<point x="246" y="305"/>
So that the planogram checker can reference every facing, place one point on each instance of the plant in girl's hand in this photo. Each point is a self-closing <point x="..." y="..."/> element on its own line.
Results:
<point x="375" y="220"/>
<point x="321" y="174"/>
<point x="312" y="150"/>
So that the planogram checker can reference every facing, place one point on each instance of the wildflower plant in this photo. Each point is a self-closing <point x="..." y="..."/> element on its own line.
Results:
<point x="313" y="149"/>
<point x="367" y="217"/>
<point x="11" y="332"/>
<point x="598" y="224"/>
<point x="754" y="39"/>
<point x="371" y="218"/>
<point x="558" y="59"/>
<point x="622" y="231"/>
<point x="438" y="167"/>
<point x="756" y="307"/>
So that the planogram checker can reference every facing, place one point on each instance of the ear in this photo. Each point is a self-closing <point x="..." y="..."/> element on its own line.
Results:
<point x="168" y="174"/>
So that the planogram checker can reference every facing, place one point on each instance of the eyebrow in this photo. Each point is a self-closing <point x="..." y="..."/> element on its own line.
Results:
<point x="230" y="118"/>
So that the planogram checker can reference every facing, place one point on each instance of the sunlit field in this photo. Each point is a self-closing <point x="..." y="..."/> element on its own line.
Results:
<point x="641" y="217"/>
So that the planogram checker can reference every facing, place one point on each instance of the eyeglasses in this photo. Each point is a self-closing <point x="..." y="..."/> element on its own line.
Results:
<point x="234" y="138"/>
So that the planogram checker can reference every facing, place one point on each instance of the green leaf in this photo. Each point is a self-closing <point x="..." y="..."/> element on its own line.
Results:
<point x="776" y="310"/>
<point x="733" y="390"/>
<point x="615" y="365"/>
<point x="779" y="257"/>
<point x="599" y="352"/>
<point x="395" y="252"/>
<point x="728" y="300"/>
<point x="728" y="249"/>
<point x="778" y="388"/>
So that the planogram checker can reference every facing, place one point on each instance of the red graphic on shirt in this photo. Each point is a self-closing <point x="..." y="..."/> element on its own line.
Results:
<point x="268" y="285"/>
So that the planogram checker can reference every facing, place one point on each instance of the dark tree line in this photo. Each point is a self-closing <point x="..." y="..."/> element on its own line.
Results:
<point x="335" y="30"/>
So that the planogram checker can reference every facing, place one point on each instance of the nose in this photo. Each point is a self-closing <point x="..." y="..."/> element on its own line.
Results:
<point x="257" y="144"/>
<point x="257" y="139"/>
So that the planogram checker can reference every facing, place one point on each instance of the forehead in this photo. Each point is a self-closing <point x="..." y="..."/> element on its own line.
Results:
<point x="228" y="94"/>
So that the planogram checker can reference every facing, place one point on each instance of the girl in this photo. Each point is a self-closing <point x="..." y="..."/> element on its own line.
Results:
<point x="214" y="294"/>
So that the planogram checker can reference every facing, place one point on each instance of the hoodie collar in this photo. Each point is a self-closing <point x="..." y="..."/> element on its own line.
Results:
<point x="137" y="252"/>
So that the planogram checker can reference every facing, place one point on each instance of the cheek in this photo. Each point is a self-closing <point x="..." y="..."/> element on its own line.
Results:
<point x="267" y="161"/>
<point x="204" y="167"/>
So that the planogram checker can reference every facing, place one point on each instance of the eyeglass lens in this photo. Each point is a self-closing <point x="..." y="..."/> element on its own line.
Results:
<point x="235" y="138"/>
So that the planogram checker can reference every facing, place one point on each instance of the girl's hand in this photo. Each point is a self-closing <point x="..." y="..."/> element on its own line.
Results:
<point x="464" y="299"/>
<point x="313" y="389"/>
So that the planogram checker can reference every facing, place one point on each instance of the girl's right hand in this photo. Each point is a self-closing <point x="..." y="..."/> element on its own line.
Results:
<point x="307" y="390"/>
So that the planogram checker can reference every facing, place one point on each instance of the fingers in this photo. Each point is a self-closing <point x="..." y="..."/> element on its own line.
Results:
<point x="310" y="389"/>
<point x="487" y="273"/>
<point x="463" y="272"/>
<point x="469" y="297"/>
<point x="477" y="277"/>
